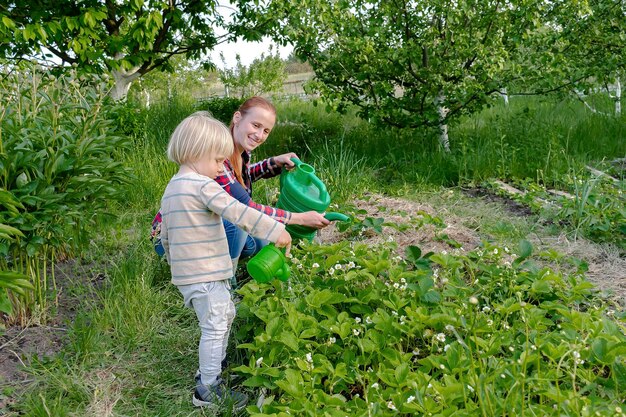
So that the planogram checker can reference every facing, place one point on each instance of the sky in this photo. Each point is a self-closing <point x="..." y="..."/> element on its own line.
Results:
<point x="247" y="51"/>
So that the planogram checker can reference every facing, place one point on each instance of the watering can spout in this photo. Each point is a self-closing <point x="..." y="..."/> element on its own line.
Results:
<point x="334" y="216"/>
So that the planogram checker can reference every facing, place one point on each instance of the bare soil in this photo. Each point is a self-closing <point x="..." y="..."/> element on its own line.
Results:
<point x="44" y="336"/>
<point x="607" y="267"/>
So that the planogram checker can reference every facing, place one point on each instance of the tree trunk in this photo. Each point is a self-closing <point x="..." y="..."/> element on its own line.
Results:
<point x="444" y="140"/>
<point x="123" y="80"/>
<point x="618" y="97"/>
<point x="505" y="96"/>
<point x="147" y="94"/>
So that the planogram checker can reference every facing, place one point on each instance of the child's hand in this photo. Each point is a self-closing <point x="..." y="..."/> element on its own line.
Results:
<point x="284" y="241"/>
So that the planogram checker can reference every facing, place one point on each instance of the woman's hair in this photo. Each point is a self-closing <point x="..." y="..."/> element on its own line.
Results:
<point x="198" y="136"/>
<point x="255" y="101"/>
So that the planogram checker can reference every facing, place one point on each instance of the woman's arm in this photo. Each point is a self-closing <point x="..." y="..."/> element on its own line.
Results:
<point x="309" y="218"/>
<point x="236" y="190"/>
<point x="271" y="167"/>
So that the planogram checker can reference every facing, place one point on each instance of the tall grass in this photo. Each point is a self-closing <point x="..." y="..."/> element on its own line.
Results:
<point x="136" y="352"/>
<point x="530" y="138"/>
<point x="535" y="138"/>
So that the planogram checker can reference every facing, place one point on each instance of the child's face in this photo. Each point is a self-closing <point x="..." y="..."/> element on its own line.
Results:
<point x="252" y="129"/>
<point x="210" y="166"/>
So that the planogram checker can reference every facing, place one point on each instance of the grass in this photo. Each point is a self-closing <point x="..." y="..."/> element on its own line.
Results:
<point x="134" y="353"/>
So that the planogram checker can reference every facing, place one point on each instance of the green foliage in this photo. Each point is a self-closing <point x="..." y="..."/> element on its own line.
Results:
<point x="222" y="108"/>
<point x="58" y="168"/>
<point x="592" y="207"/>
<point x="185" y="79"/>
<point x="131" y="37"/>
<point x="17" y="284"/>
<point x="413" y="64"/>
<point x="541" y="138"/>
<point x="264" y="75"/>
<point x="358" y="331"/>
<point x="130" y="118"/>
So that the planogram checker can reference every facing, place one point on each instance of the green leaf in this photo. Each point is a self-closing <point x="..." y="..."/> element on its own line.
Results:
<point x="289" y="339"/>
<point x="256" y="381"/>
<point x="310" y="332"/>
<point x="599" y="349"/>
<point x="292" y="384"/>
<point x="541" y="286"/>
<point x="413" y="253"/>
<point x="8" y="22"/>
<point x="525" y="250"/>
<point x="318" y="298"/>
<point x="402" y="371"/>
<point x="5" y="303"/>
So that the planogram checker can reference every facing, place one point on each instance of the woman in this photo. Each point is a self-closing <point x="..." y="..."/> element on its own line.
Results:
<point x="250" y="126"/>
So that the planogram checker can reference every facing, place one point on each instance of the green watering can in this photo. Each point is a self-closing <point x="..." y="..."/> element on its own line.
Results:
<point x="300" y="191"/>
<point x="269" y="263"/>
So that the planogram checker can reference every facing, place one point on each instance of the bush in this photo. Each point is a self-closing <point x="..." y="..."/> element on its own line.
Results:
<point x="222" y="108"/>
<point x="129" y="118"/>
<point x="57" y="164"/>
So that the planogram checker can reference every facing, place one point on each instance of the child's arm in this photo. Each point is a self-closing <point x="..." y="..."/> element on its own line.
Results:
<point x="252" y="221"/>
<point x="235" y="189"/>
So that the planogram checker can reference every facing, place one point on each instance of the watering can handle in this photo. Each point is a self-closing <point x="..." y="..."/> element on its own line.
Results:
<point x="296" y="161"/>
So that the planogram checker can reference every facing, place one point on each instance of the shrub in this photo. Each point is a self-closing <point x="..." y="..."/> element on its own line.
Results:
<point x="222" y="108"/>
<point x="58" y="162"/>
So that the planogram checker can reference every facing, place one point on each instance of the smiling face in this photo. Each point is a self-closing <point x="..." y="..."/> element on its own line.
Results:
<point x="252" y="128"/>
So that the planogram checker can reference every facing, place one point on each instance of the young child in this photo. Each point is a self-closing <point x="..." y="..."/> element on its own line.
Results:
<point x="195" y="243"/>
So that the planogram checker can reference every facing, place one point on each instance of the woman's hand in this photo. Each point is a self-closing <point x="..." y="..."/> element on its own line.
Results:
<point x="309" y="219"/>
<point x="284" y="241"/>
<point x="284" y="160"/>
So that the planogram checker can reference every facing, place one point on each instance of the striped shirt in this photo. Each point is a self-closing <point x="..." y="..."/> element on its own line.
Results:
<point x="192" y="231"/>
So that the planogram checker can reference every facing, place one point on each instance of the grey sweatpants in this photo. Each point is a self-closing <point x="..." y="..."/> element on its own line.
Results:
<point x="215" y="310"/>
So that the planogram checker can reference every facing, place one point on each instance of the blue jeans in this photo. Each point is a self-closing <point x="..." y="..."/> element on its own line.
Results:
<point x="240" y="243"/>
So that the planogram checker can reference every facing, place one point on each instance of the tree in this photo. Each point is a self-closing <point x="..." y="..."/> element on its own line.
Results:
<point x="422" y="63"/>
<point x="265" y="74"/>
<point x="187" y="79"/>
<point x="126" y="38"/>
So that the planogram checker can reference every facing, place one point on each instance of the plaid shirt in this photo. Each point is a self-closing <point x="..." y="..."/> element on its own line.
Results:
<point x="266" y="168"/>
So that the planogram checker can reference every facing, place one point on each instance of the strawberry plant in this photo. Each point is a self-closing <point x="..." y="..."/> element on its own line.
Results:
<point x="358" y="331"/>
<point x="592" y="207"/>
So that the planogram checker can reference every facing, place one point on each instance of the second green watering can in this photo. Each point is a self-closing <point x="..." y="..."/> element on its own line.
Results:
<point x="301" y="190"/>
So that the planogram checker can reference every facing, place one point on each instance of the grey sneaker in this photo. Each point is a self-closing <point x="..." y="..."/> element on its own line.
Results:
<point x="218" y="396"/>
<point x="231" y="378"/>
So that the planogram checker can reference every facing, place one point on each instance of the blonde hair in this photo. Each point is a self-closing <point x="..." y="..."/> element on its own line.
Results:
<point x="255" y="101"/>
<point x="198" y="136"/>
